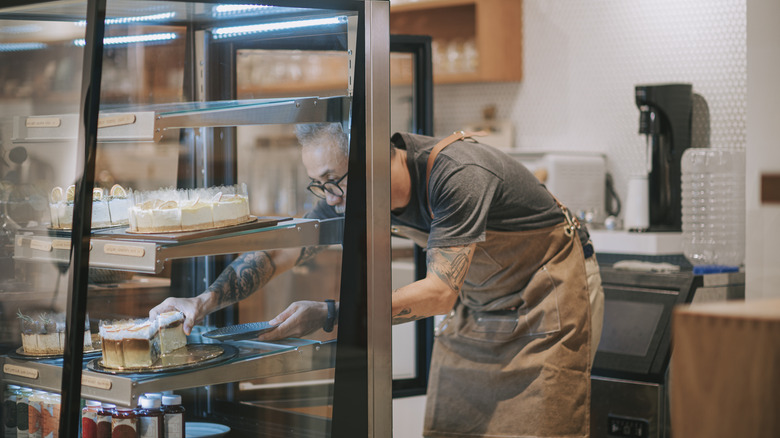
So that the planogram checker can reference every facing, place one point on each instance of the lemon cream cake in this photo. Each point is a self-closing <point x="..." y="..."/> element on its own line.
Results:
<point x="109" y="208"/>
<point x="172" y="335"/>
<point x="139" y="343"/>
<point x="44" y="333"/>
<point x="196" y="215"/>
<point x="172" y="210"/>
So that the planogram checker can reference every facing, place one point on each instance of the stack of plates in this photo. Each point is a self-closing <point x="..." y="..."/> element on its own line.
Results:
<point x="205" y="430"/>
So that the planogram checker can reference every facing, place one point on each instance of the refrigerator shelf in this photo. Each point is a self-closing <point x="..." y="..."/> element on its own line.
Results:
<point x="116" y="249"/>
<point x="157" y="122"/>
<point x="253" y="360"/>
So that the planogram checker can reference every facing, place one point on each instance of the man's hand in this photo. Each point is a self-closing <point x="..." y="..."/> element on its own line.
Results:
<point x="192" y="308"/>
<point x="299" y="319"/>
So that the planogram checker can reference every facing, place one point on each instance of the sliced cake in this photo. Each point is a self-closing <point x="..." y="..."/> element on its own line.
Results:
<point x="172" y="335"/>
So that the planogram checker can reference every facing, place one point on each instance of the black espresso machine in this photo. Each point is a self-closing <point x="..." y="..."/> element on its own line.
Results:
<point x="665" y="115"/>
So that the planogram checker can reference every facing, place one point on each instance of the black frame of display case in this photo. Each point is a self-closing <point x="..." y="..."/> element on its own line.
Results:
<point x="351" y="391"/>
<point x="419" y="46"/>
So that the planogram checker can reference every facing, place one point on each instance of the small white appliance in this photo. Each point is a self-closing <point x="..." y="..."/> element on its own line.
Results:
<point x="577" y="179"/>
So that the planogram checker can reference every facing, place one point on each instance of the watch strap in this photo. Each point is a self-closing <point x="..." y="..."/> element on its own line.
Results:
<point x="332" y="315"/>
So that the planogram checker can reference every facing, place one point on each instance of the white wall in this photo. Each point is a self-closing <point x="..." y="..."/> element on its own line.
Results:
<point x="581" y="61"/>
<point x="763" y="152"/>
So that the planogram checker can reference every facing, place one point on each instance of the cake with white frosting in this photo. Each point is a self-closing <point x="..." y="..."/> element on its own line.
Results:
<point x="172" y="335"/>
<point x="140" y="343"/>
<point x="44" y="333"/>
<point x="109" y="208"/>
<point x="170" y="210"/>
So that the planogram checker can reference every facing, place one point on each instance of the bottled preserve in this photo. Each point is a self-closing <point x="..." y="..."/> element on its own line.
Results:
<point x="124" y="423"/>
<point x="23" y="412"/>
<point x="35" y="414"/>
<point x="151" y="419"/>
<point x="89" y="415"/>
<point x="174" y="416"/>
<point x="52" y="404"/>
<point x="9" y="410"/>
<point x="104" y="416"/>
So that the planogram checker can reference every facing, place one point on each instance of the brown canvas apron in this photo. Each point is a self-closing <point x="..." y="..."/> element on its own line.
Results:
<point x="513" y="357"/>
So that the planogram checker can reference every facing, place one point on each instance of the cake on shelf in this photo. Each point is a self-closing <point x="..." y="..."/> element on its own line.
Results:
<point x="109" y="207"/>
<point x="172" y="335"/>
<point x="170" y="210"/>
<point x="44" y="333"/>
<point x="139" y="343"/>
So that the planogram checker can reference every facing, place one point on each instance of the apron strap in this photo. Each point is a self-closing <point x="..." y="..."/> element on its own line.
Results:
<point x="572" y="223"/>
<point x="446" y="141"/>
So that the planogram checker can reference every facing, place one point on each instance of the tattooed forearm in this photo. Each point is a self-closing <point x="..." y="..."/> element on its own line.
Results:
<point x="243" y="277"/>
<point x="450" y="264"/>
<point x="405" y="315"/>
<point x="308" y="253"/>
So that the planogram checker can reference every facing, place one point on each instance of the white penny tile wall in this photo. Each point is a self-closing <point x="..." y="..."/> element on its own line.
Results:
<point x="582" y="60"/>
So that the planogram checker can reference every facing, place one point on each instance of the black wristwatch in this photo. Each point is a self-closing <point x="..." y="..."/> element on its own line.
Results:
<point x="332" y="315"/>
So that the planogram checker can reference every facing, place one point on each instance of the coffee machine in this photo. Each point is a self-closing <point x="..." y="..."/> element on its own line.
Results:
<point x="665" y="112"/>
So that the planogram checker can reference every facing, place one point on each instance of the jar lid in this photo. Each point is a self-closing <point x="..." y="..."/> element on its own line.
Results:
<point x="171" y="400"/>
<point x="93" y="403"/>
<point x="156" y="395"/>
<point x="150" y="403"/>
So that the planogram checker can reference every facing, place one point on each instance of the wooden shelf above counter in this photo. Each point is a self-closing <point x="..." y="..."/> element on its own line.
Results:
<point x="494" y="27"/>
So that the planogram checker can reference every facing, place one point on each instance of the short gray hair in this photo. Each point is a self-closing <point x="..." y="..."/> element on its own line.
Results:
<point x="310" y="132"/>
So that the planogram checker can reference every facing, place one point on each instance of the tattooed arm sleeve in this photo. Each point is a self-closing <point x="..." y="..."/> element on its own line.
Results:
<point x="243" y="277"/>
<point x="251" y="271"/>
<point x="437" y="292"/>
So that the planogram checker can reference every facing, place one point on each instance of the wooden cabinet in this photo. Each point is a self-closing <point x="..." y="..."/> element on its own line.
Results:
<point x="474" y="40"/>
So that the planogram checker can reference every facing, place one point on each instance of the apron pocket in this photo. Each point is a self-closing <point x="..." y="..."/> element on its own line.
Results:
<point x="538" y="314"/>
<point x="501" y="321"/>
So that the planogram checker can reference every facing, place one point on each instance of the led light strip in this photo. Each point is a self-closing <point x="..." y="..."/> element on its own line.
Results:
<point x="228" y="32"/>
<point x="19" y="47"/>
<point x="132" y="39"/>
<point x="237" y="9"/>
<point x="126" y="20"/>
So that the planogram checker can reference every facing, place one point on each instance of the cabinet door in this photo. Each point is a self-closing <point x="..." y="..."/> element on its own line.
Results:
<point x="411" y="110"/>
<point x="41" y="73"/>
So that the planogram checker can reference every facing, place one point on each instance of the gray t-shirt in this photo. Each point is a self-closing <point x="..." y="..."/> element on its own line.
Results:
<point x="473" y="188"/>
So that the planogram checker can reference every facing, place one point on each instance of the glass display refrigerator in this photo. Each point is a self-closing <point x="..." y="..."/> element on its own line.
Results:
<point x="116" y="115"/>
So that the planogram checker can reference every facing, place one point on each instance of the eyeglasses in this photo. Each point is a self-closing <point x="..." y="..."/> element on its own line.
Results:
<point x="319" y="189"/>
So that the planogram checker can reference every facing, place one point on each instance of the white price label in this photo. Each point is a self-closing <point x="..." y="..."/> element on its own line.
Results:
<point x="16" y="370"/>
<point x="43" y="122"/>
<point x="118" y="120"/>
<point x="124" y="250"/>
<point x="61" y="244"/>
<point x="96" y="382"/>
<point x="41" y="245"/>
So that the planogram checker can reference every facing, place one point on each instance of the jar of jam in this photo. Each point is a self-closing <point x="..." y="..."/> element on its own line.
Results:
<point x="23" y="412"/>
<point x="104" y="416"/>
<point x="9" y="410"/>
<point x="89" y="414"/>
<point x="174" y="416"/>
<point x="52" y="404"/>
<point x="124" y="423"/>
<point x="35" y="414"/>
<point x="151" y="419"/>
